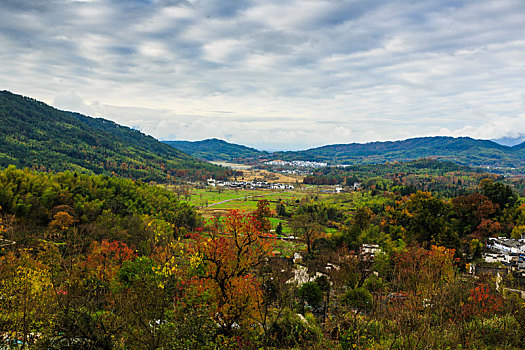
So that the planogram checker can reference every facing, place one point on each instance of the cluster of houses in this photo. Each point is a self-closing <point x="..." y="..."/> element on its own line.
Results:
<point x="249" y="185"/>
<point x="297" y="163"/>
<point x="507" y="251"/>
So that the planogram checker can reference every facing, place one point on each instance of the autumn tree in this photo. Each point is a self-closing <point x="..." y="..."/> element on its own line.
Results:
<point x="106" y="258"/>
<point x="426" y="296"/>
<point x="307" y="227"/>
<point x="224" y="261"/>
<point x="262" y="213"/>
<point x="27" y="303"/>
<point x="469" y="211"/>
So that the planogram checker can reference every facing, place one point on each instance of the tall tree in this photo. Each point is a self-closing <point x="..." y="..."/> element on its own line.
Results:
<point x="307" y="227"/>
<point x="224" y="260"/>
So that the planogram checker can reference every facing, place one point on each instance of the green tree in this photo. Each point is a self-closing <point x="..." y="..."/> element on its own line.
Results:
<point x="498" y="193"/>
<point x="427" y="219"/>
<point x="279" y="229"/>
<point x="311" y="293"/>
<point x="307" y="227"/>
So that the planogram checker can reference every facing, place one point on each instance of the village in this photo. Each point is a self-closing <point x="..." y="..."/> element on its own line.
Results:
<point x="249" y="185"/>
<point x="509" y="252"/>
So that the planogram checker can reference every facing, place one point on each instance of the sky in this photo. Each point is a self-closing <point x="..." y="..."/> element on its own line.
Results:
<point x="274" y="74"/>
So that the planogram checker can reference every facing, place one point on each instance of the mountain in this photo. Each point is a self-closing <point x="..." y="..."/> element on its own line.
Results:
<point x="35" y="135"/>
<point x="216" y="150"/>
<point x="461" y="150"/>
<point x="510" y="141"/>
<point x="519" y="147"/>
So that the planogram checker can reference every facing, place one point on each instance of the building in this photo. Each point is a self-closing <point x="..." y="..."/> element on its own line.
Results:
<point x="508" y="245"/>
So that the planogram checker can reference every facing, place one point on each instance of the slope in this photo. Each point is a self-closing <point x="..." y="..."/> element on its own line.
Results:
<point x="35" y="135"/>
<point x="215" y="149"/>
<point x="461" y="150"/>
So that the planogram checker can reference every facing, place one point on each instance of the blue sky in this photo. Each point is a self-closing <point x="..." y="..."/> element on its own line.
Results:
<point x="274" y="74"/>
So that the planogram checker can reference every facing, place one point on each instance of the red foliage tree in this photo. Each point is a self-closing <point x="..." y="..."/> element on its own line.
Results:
<point x="224" y="261"/>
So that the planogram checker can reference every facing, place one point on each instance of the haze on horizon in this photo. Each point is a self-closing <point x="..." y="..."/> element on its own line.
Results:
<point x="287" y="74"/>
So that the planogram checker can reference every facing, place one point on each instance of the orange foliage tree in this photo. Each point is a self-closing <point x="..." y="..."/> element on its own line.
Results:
<point x="224" y="262"/>
<point x="262" y="213"/>
<point x="421" y="270"/>
<point x="106" y="258"/>
<point x="482" y="302"/>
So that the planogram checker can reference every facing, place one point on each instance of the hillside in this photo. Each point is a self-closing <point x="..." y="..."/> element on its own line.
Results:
<point x="35" y="135"/>
<point x="520" y="147"/>
<point x="461" y="150"/>
<point x="215" y="150"/>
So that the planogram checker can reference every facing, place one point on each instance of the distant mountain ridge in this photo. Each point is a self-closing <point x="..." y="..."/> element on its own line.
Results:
<point x="460" y="150"/>
<point x="510" y="141"/>
<point x="35" y="135"/>
<point x="216" y="150"/>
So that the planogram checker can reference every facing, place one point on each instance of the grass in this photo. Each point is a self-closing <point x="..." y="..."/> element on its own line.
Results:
<point x="288" y="248"/>
<point x="246" y="200"/>
<point x="286" y="229"/>
<point x="239" y="199"/>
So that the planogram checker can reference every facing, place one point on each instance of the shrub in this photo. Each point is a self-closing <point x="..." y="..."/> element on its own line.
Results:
<point x="358" y="298"/>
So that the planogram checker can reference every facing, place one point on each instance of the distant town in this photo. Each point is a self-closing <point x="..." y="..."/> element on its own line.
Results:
<point x="249" y="184"/>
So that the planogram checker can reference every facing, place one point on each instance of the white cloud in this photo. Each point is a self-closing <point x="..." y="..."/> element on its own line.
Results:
<point x="290" y="74"/>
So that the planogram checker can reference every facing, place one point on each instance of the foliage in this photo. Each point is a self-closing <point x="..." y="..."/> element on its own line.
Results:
<point x="311" y="293"/>
<point x="101" y="207"/>
<point x="358" y="298"/>
<point x="27" y="303"/>
<point x="461" y="150"/>
<point x="262" y="213"/>
<point x="38" y="136"/>
<point x="101" y="262"/>
<point x="295" y="331"/>
<point x="224" y="260"/>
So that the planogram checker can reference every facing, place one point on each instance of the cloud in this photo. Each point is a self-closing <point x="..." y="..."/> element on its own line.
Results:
<point x="291" y="74"/>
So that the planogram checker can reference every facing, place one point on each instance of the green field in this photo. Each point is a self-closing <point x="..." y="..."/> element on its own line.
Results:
<point x="214" y="201"/>
<point x="239" y="199"/>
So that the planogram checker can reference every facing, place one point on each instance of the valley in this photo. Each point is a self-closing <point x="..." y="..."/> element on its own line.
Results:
<point x="154" y="248"/>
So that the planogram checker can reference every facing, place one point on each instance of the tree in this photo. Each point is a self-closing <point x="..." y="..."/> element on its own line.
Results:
<point x="308" y="228"/>
<point x="27" y="299"/>
<point x="224" y="262"/>
<point x="105" y="259"/>
<point x="281" y="209"/>
<point x="419" y="270"/>
<point x="358" y="298"/>
<point x="262" y="213"/>
<point x="427" y="224"/>
<point x="311" y="293"/>
<point x="470" y="210"/>
<point x="498" y="193"/>
<point x="279" y="229"/>
<point x="61" y="222"/>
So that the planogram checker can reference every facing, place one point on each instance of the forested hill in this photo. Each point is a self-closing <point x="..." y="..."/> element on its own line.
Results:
<point x="461" y="150"/>
<point x="35" y="135"/>
<point x="214" y="149"/>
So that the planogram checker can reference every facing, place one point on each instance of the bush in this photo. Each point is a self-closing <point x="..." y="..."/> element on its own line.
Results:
<point x="294" y="330"/>
<point x="311" y="292"/>
<point x="362" y="334"/>
<point x="497" y="331"/>
<point x="358" y="298"/>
